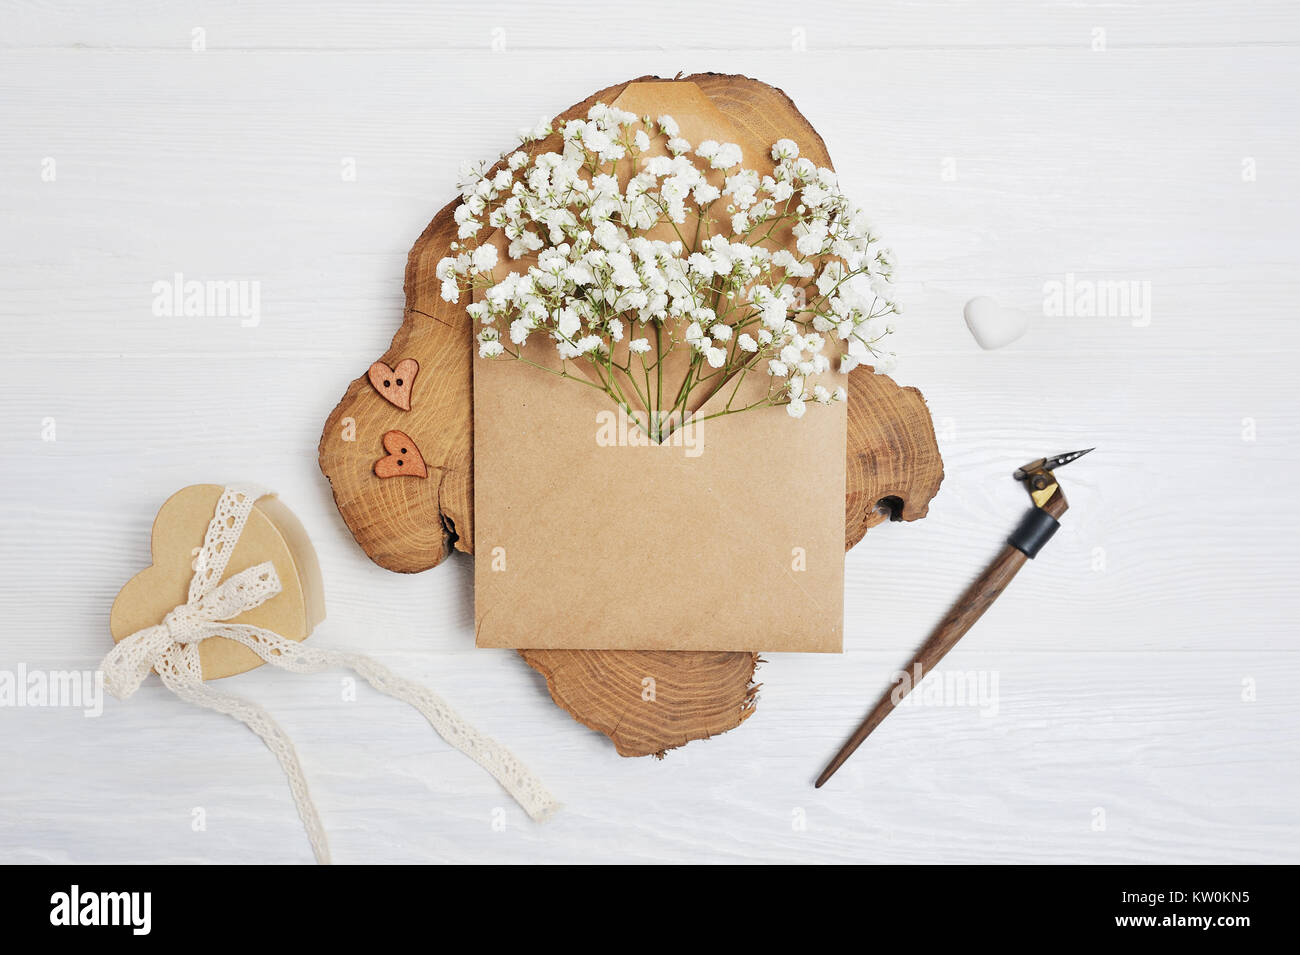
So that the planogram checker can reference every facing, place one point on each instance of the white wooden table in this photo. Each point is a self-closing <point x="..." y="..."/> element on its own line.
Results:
<point x="1143" y="661"/>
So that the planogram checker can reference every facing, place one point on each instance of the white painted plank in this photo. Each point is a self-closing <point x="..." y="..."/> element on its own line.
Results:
<point x="762" y="25"/>
<point x="1163" y="744"/>
<point x="1129" y="170"/>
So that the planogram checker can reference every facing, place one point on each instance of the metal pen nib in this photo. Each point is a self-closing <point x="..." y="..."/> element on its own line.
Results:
<point x="1050" y="464"/>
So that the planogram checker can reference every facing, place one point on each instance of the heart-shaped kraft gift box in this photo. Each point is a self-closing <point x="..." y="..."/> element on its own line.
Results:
<point x="272" y="533"/>
<point x="235" y="583"/>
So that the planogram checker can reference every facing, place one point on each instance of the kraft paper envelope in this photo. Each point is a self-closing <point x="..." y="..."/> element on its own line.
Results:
<point x="729" y="536"/>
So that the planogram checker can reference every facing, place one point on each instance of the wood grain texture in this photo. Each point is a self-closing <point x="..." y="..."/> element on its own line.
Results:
<point x="650" y="701"/>
<point x="893" y="471"/>
<point x="894" y="466"/>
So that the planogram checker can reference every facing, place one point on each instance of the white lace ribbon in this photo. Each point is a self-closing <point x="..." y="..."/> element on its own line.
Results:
<point x="172" y="648"/>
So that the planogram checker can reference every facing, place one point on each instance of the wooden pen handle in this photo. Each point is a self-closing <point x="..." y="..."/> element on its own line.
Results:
<point x="976" y="599"/>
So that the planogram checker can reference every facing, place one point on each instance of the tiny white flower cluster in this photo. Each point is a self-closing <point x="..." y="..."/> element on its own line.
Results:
<point x="789" y="271"/>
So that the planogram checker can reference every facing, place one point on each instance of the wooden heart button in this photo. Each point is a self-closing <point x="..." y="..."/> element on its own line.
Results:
<point x="395" y="383"/>
<point x="403" y="460"/>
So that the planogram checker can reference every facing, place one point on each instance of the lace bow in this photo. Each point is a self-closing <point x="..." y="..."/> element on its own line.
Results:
<point x="172" y="648"/>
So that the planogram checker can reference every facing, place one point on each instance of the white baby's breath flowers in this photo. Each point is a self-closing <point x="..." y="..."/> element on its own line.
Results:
<point x="631" y="245"/>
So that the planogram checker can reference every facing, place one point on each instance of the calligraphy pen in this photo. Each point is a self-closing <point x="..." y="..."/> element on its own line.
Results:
<point x="1034" y="530"/>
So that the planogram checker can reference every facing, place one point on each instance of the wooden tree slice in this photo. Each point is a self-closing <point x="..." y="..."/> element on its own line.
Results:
<point x="645" y="701"/>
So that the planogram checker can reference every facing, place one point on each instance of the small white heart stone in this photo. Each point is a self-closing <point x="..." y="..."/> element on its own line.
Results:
<point x="992" y="325"/>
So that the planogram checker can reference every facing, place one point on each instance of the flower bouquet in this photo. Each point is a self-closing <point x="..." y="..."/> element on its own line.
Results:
<point x="633" y="252"/>
<point x="678" y="273"/>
